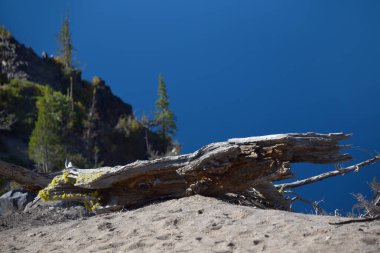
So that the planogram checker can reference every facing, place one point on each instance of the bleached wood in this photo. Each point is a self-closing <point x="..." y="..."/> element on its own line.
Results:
<point x="216" y="169"/>
<point x="232" y="166"/>
<point x="325" y="175"/>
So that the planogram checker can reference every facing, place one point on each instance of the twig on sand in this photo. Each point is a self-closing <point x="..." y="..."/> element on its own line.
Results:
<point x="315" y="205"/>
<point x="355" y="220"/>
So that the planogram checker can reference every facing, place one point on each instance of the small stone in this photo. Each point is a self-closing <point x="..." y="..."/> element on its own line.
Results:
<point x="255" y="242"/>
<point x="231" y="244"/>
<point x="42" y="234"/>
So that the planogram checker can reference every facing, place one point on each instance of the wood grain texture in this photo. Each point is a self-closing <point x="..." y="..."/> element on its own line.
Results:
<point x="232" y="166"/>
<point x="23" y="176"/>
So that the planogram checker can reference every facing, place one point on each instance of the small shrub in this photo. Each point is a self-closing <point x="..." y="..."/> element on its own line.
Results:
<point x="128" y="125"/>
<point x="368" y="208"/>
<point x="97" y="80"/>
<point x="18" y="103"/>
<point x="4" y="33"/>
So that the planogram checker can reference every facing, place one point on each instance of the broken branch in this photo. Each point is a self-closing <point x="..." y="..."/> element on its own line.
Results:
<point x="29" y="179"/>
<point x="355" y="220"/>
<point x="325" y="175"/>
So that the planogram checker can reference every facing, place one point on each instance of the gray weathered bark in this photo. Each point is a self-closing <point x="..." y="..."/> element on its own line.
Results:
<point x="218" y="168"/>
<point x="233" y="166"/>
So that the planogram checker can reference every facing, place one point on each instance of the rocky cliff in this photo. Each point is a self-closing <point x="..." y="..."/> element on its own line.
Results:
<point x="20" y="62"/>
<point x="98" y="138"/>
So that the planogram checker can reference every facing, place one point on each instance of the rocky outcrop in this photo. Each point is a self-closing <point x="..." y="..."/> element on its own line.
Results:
<point x="106" y="106"/>
<point x="112" y="145"/>
<point x="96" y="138"/>
<point x="21" y="62"/>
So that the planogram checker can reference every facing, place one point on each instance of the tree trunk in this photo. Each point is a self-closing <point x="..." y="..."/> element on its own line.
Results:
<point x="29" y="179"/>
<point x="216" y="169"/>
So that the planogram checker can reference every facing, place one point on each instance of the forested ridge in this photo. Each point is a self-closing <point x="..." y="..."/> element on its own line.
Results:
<point x="49" y="114"/>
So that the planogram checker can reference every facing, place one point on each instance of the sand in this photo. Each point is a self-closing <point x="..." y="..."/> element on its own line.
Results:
<point x="193" y="224"/>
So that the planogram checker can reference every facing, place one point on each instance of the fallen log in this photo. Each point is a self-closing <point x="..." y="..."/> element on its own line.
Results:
<point x="216" y="169"/>
<point x="234" y="166"/>
<point x="28" y="178"/>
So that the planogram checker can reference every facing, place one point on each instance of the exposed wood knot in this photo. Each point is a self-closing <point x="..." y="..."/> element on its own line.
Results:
<point x="144" y="187"/>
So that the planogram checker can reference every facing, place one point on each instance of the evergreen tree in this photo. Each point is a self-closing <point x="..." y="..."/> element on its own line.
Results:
<point x="164" y="117"/>
<point x="46" y="142"/>
<point x="66" y="46"/>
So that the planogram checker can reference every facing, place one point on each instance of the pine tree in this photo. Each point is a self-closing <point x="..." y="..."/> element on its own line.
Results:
<point x="46" y="142"/>
<point x="164" y="117"/>
<point x="66" y="46"/>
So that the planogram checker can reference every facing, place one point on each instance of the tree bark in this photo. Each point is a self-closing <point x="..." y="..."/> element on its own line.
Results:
<point x="216" y="169"/>
<point x="29" y="179"/>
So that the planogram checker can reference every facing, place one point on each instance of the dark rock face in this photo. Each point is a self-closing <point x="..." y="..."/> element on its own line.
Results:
<point x="104" y="114"/>
<point x="108" y="107"/>
<point x="14" y="200"/>
<point x="97" y="140"/>
<point x="114" y="147"/>
<point x="20" y="62"/>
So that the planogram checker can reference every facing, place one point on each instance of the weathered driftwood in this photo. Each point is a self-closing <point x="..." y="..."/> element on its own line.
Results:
<point x="234" y="166"/>
<point x="219" y="168"/>
<point x="27" y="178"/>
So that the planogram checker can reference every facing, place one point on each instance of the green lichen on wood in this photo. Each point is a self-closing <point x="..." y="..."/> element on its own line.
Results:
<point x="45" y="194"/>
<point x="91" y="200"/>
<point x="87" y="178"/>
<point x="67" y="179"/>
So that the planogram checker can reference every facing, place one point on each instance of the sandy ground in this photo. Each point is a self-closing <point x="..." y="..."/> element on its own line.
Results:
<point x="194" y="224"/>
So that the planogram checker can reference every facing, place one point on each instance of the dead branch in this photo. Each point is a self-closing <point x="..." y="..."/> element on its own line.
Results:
<point x="315" y="205"/>
<point x="325" y="175"/>
<point x="355" y="220"/>
<point x="29" y="179"/>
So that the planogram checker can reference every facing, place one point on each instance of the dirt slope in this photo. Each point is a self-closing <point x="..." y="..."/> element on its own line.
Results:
<point x="194" y="224"/>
